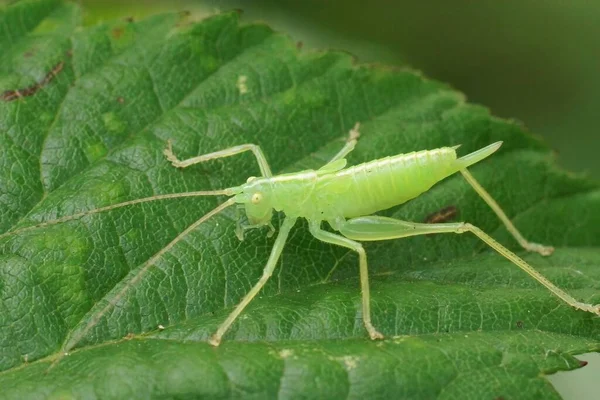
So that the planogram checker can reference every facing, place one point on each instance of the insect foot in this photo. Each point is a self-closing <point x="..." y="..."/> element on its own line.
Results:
<point x="354" y="133"/>
<point x="168" y="152"/>
<point x="375" y="334"/>
<point x="594" y="309"/>
<point x="214" y="341"/>
<point x="239" y="232"/>
<point x="539" y="248"/>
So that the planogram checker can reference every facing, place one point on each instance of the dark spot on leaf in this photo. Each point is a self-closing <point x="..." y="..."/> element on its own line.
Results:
<point x="14" y="94"/>
<point x="129" y="19"/>
<point x="299" y="45"/>
<point x="443" y="215"/>
<point x="70" y="53"/>
<point x="520" y="324"/>
<point x="582" y="363"/>
<point x="120" y="100"/>
<point x="118" y="32"/>
<point x="184" y="18"/>
<point x="28" y="53"/>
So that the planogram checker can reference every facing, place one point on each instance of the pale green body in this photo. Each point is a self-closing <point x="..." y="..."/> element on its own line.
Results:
<point x="333" y="193"/>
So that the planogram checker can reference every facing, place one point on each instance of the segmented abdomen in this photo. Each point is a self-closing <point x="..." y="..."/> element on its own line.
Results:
<point x="374" y="186"/>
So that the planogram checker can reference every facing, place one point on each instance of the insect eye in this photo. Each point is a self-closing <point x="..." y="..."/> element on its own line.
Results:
<point x="256" y="198"/>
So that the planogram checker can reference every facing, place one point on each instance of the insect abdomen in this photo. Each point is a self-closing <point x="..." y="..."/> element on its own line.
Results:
<point x="370" y="187"/>
<point x="390" y="181"/>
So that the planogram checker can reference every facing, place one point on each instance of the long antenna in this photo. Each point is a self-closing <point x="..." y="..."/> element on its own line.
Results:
<point x="226" y="192"/>
<point x="72" y="342"/>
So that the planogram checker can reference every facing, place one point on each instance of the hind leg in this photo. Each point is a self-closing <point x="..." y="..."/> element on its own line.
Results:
<point x="383" y="228"/>
<point x="529" y="246"/>
<point x="328" y="237"/>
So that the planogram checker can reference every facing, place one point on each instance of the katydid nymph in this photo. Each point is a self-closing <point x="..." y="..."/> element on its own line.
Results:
<point x="344" y="197"/>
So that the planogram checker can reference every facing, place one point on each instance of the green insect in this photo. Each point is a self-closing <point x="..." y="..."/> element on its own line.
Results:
<point x="343" y="197"/>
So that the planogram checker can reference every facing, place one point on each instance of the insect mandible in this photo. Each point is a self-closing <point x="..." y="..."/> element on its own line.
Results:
<point x="346" y="199"/>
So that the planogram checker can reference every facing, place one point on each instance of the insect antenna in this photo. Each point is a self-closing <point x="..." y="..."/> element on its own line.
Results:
<point x="74" y="340"/>
<point x="226" y="192"/>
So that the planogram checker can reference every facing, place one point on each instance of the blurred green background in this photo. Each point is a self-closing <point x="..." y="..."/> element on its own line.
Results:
<point x="533" y="61"/>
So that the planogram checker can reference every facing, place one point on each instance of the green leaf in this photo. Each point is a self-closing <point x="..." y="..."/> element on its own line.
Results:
<point x="84" y="117"/>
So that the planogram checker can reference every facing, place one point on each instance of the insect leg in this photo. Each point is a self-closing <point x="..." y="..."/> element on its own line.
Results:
<point x="328" y="237"/>
<point x="286" y="227"/>
<point x="383" y="228"/>
<point x="265" y="170"/>
<point x="529" y="246"/>
<point x="350" y="144"/>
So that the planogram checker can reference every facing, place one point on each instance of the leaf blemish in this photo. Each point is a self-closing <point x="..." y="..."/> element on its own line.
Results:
<point x="14" y="94"/>
<point x="118" y="32"/>
<point x="350" y="362"/>
<point x="112" y="122"/>
<point x="520" y="324"/>
<point x="241" y="84"/>
<point x="443" y="215"/>
<point x="400" y="339"/>
<point x="286" y="353"/>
